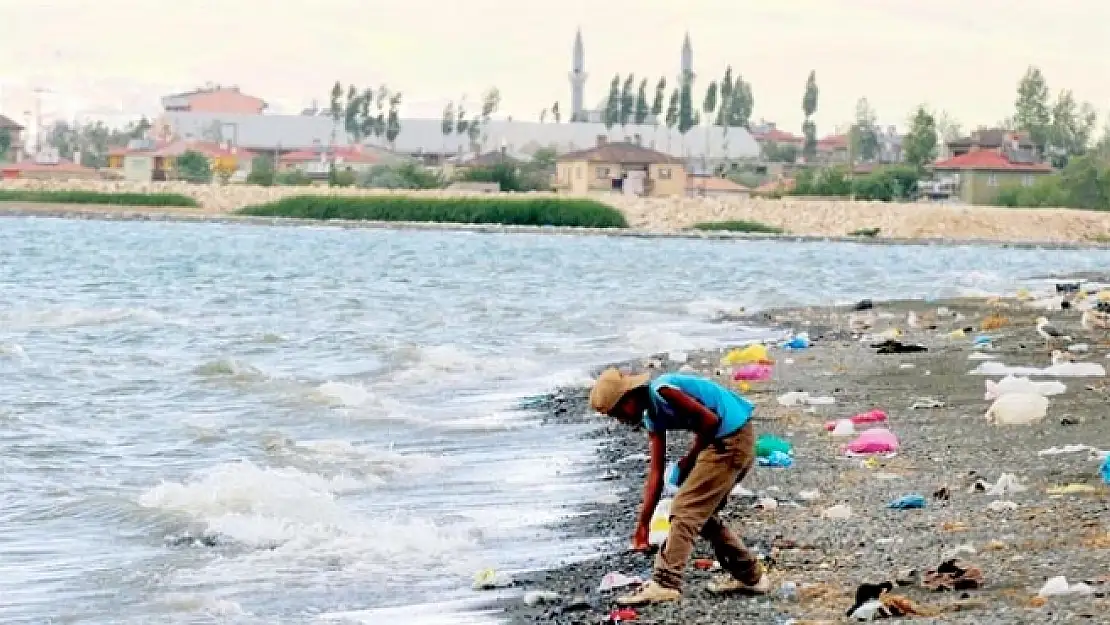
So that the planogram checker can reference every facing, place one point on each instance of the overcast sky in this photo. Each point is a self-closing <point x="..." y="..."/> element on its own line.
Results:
<point x="964" y="56"/>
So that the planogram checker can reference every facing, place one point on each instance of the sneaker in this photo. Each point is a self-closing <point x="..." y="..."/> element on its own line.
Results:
<point x="650" y="593"/>
<point x="729" y="584"/>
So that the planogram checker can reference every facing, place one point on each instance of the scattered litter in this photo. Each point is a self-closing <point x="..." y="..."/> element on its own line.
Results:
<point x="942" y="494"/>
<point x="671" y="483"/>
<point x="705" y="564"/>
<point x="622" y="615"/>
<point x="802" y="398"/>
<point x="660" y="523"/>
<point x="634" y="458"/>
<point x="907" y="502"/>
<point x="869" y="611"/>
<point x="927" y="403"/>
<point x="767" y="444"/>
<point x="994" y="321"/>
<point x="740" y="491"/>
<point x="678" y="357"/>
<point x="981" y="356"/>
<point x="873" y="441"/>
<point x="1058" y="586"/>
<point x="766" y="503"/>
<point x="838" y="512"/>
<point x="777" y="459"/>
<point x="809" y="495"/>
<point x="753" y="373"/>
<point x="1072" y="489"/>
<point x="898" y="347"/>
<point x="754" y="353"/>
<point x="799" y="341"/>
<point x="868" y="594"/>
<point x="1007" y="483"/>
<point x="907" y="365"/>
<point x="537" y="597"/>
<point x="1066" y="449"/>
<point x="1002" y="506"/>
<point x="614" y="580"/>
<point x="1063" y="370"/>
<point x="864" y="304"/>
<point x="1105" y="469"/>
<point x="982" y="341"/>
<point x="1079" y="348"/>
<point x="953" y="576"/>
<point x="489" y="579"/>
<point x="842" y="428"/>
<point x="1015" y="384"/>
<point x="1017" y="409"/>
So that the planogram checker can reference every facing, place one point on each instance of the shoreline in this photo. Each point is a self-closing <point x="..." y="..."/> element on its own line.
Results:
<point x="944" y="447"/>
<point x="189" y="215"/>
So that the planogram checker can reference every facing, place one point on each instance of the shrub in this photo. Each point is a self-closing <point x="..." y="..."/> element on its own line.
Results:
<point x="193" y="167"/>
<point x="511" y="177"/>
<point x="293" y="178"/>
<point x="96" y="197"/>
<point x="407" y="175"/>
<point x="507" y="211"/>
<point x="884" y="184"/>
<point x="262" y="171"/>
<point x="739" y="225"/>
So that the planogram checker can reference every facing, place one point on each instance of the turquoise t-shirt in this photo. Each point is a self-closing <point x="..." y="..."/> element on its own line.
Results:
<point x="732" y="408"/>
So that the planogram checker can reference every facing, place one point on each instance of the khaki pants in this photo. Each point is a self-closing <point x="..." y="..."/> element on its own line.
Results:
<point x="694" y="510"/>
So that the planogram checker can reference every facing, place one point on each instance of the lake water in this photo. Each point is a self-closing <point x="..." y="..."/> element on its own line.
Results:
<point x="237" y="424"/>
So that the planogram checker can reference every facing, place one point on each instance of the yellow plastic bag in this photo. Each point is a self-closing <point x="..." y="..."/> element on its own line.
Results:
<point x="1072" y="489"/>
<point x="660" y="525"/>
<point x="756" y="352"/>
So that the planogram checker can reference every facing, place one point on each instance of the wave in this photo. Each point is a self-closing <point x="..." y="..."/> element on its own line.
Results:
<point x="14" y="351"/>
<point x="229" y="368"/>
<point x="59" y="318"/>
<point x="436" y="362"/>
<point x="336" y="456"/>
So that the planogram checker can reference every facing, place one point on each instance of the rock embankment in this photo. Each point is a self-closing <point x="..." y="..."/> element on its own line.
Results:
<point x="796" y="216"/>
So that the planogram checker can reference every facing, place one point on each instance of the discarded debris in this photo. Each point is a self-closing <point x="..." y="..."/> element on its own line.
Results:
<point x="1018" y="409"/>
<point x="952" y="575"/>
<point x="927" y="403"/>
<point x="907" y="502"/>
<point x="897" y="347"/>
<point x="489" y="579"/>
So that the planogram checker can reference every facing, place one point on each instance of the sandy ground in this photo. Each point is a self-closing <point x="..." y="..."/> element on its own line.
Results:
<point x="797" y="216"/>
<point x="948" y="447"/>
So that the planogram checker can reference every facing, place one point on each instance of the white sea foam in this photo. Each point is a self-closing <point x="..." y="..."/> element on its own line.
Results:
<point x="345" y="393"/>
<point x="13" y="351"/>
<point x="57" y="318"/>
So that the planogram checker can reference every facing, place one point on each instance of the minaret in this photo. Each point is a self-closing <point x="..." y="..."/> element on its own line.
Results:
<point x="578" y="79"/>
<point x="686" y="71"/>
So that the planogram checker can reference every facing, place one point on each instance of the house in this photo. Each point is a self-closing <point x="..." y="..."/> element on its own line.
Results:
<point x="991" y="139"/>
<point x="15" y="131"/>
<point x="833" y="149"/>
<point x="316" y="163"/>
<point x="623" y="167"/>
<point x="978" y="177"/>
<point x="708" y="185"/>
<point x="768" y="133"/>
<point x="145" y="160"/>
<point x="777" y="187"/>
<point x="260" y="133"/>
<point x="214" y="99"/>
<point x="47" y="165"/>
<point x="462" y="163"/>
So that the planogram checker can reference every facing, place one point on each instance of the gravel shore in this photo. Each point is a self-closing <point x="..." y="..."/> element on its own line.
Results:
<point x="945" y="449"/>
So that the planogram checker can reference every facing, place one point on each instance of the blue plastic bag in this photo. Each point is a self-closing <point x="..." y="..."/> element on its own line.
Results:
<point x="798" y="342"/>
<point x="670" y="479"/>
<point x="777" y="459"/>
<point x="908" y="502"/>
<point x="1106" y="469"/>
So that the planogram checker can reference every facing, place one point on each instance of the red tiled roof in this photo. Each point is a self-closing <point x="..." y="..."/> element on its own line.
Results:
<point x="61" y="165"/>
<point x="833" y="142"/>
<point x="775" y="135"/>
<point x="774" y="186"/>
<point x="991" y="161"/>
<point x="714" y="183"/>
<point x="346" y="153"/>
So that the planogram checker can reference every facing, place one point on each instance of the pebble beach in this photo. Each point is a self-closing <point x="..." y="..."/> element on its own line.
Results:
<point x="1052" y="523"/>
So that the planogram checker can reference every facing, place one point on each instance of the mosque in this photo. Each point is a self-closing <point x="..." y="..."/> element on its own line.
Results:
<point x="578" y="76"/>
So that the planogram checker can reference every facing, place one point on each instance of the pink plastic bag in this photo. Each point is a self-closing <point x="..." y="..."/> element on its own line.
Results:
<point x="753" y="373"/>
<point x="873" y="441"/>
<point x="872" y="416"/>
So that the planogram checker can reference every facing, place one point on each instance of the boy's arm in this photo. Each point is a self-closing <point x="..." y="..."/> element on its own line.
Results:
<point x="705" y="424"/>
<point x="653" y="488"/>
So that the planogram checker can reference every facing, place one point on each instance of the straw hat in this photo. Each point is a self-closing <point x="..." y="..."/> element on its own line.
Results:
<point x="611" y="386"/>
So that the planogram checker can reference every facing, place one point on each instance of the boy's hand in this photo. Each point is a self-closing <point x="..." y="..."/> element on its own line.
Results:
<point x="640" y="539"/>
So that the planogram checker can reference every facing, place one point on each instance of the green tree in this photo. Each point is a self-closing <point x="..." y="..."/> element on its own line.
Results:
<point x="742" y="104"/>
<point x="1072" y="128"/>
<point x="193" y="167"/>
<point x="380" y="119"/>
<point x="657" y="103"/>
<point x="864" y="134"/>
<point x="5" y="143"/>
<point x="1032" y="112"/>
<point x="671" y="118"/>
<point x="809" y="108"/>
<point x="262" y="172"/>
<point x="555" y="112"/>
<point x="776" y="153"/>
<point x="686" y="111"/>
<point x="612" y="114"/>
<point x="138" y="130"/>
<point x="709" y="106"/>
<point x="393" y="122"/>
<point x="628" y="100"/>
<point x="365" y="122"/>
<point x="544" y="159"/>
<point x="351" y="110"/>
<point x="447" y="124"/>
<point x="1102" y="147"/>
<point x="642" y="110"/>
<point x="1086" y="183"/>
<point x="726" y="89"/>
<point x="920" y="144"/>
<point x="462" y="124"/>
